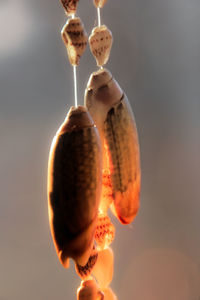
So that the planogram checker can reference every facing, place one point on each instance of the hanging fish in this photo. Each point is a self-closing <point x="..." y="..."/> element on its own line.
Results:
<point x="74" y="186"/>
<point x="112" y="114"/>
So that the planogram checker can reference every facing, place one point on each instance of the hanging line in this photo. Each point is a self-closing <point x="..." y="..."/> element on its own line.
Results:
<point x="99" y="16"/>
<point x="75" y="86"/>
<point x="75" y="79"/>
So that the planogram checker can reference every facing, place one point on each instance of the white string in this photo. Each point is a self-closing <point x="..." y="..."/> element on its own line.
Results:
<point x="75" y="79"/>
<point x="75" y="86"/>
<point x="99" y="16"/>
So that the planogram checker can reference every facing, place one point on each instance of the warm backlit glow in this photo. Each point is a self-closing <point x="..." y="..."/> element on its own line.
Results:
<point x="101" y="266"/>
<point x="105" y="232"/>
<point x="103" y="269"/>
<point x="107" y="191"/>
<point x="130" y="199"/>
<point x="93" y="166"/>
<point x="89" y="289"/>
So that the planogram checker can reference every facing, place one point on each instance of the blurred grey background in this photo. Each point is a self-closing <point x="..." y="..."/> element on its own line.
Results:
<point x="156" y="60"/>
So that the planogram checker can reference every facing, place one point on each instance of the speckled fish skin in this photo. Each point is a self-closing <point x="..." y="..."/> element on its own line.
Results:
<point x="70" y="6"/>
<point x="113" y="117"/>
<point x="74" y="186"/>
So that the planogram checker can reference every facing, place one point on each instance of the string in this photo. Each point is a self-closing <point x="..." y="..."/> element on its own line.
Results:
<point x="75" y="79"/>
<point x="75" y="86"/>
<point x="99" y="16"/>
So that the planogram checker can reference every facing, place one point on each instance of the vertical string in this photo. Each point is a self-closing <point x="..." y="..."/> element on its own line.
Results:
<point x="99" y="16"/>
<point x="75" y="80"/>
<point x="75" y="86"/>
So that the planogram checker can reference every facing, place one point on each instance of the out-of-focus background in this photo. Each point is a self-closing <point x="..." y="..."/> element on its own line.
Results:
<point x="156" y="60"/>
